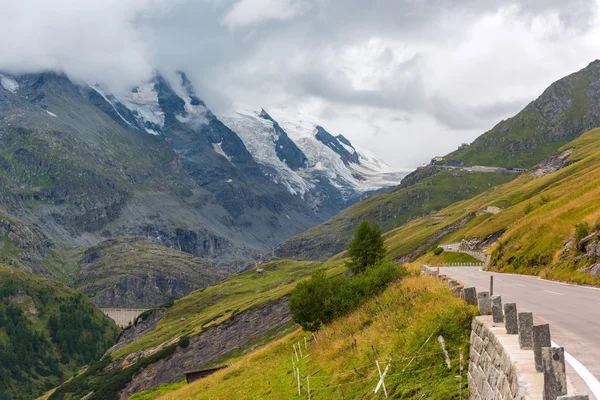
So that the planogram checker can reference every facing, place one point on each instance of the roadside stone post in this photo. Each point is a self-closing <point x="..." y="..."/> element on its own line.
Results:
<point x="470" y="295"/>
<point x="541" y="339"/>
<point x="555" y="375"/>
<point x="525" y="330"/>
<point x="484" y="302"/>
<point x="574" y="397"/>
<point x="497" y="315"/>
<point x="510" y="315"/>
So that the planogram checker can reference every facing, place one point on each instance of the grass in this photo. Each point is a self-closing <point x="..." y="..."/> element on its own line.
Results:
<point x="530" y="136"/>
<point x="156" y="392"/>
<point x="192" y="314"/>
<point x="539" y="216"/>
<point x="390" y="210"/>
<point x="394" y="325"/>
<point x="446" y="257"/>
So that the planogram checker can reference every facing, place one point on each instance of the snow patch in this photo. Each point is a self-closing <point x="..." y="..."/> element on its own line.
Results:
<point x="101" y="91"/>
<point x="349" y="149"/>
<point x="323" y="164"/>
<point x="143" y="102"/>
<point x="51" y="114"/>
<point x="9" y="83"/>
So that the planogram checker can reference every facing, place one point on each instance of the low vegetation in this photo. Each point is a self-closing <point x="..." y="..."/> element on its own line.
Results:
<point x="319" y="300"/>
<point x="47" y="332"/>
<point x="447" y="257"/>
<point x="402" y="324"/>
<point x="203" y="308"/>
<point x="539" y="217"/>
<point x="428" y="192"/>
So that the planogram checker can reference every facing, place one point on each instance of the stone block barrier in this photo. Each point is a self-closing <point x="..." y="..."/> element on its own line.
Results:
<point x="510" y="357"/>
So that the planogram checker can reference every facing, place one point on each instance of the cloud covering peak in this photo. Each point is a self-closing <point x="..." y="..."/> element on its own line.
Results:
<point x="406" y="79"/>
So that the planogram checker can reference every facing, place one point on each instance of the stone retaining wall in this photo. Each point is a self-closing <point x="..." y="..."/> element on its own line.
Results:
<point x="499" y="369"/>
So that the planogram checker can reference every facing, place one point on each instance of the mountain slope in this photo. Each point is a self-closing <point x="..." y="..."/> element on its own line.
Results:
<point x="427" y="194"/>
<point x="135" y="272"/>
<point x="80" y="165"/>
<point x="568" y="108"/>
<point x="534" y="228"/>
<point x="327" y="173"/>
<point x="47" y="332"/>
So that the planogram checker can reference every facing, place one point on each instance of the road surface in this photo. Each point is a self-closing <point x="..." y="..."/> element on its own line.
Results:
<point x="572" y="311"/>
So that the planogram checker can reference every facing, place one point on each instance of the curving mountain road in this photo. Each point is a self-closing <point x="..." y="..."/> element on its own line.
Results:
<point x="572" y="311"/>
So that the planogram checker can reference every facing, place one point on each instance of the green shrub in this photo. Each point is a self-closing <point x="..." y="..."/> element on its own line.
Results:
<point x="184" y="341"/>
<point x="581" y="230"/>
<point x="318" y="300"/>
<point x="438" y="250"/>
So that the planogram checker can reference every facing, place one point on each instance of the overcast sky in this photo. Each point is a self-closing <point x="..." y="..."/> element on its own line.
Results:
<point x="407" y="79"/>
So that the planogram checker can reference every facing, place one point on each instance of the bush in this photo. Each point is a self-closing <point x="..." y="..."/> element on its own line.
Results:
<point x="367" y="247"/>
<point x="318" y="300"/>
<point x="581" y="231"/>
<point x="438" y="250"/>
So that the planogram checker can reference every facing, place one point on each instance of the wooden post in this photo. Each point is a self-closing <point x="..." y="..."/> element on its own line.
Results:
<point x="314" y="337"/>
<point x="461" y="374"/>
<point x="298" y="376"/>
<point x="300" y="350"/>
<point x="308" y="387"/>
<point x="293" y="366"/>
<point x="491" y="285"/>
<point x="305" y="345"/>
<point x="381" y="376"/>
<point x="295" y="352"/>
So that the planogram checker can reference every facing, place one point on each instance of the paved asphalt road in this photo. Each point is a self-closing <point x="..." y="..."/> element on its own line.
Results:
<point x="573" y="313"/>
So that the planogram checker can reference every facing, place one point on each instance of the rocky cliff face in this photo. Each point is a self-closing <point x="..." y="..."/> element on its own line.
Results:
<point x="134" y="272"/>
<point x="235" y="333"/>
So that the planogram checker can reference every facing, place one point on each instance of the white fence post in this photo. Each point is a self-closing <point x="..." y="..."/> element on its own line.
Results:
<point x="381" y="376"/>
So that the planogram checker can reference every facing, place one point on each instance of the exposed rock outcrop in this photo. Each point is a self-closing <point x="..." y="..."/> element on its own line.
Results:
<point x="135" y="272"/>
<point x="235" y="333"/>
<point x="552" y="164"/>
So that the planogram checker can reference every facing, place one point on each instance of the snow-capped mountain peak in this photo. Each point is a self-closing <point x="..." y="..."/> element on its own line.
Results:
<point x="331" y="163"/>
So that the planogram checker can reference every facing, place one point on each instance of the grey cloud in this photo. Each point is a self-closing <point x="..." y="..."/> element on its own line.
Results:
<point x="280" y="55"/>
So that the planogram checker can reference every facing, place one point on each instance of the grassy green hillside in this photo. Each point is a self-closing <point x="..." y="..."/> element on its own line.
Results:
<point x="395" y="325"/>
<point x="190" y="316"/>
<point x="537" y="221"/>
<point x="47" y="332"/>
<point x="203" y="308"/>
<point x="425" y="191"/>
<point x="563" y="112"/>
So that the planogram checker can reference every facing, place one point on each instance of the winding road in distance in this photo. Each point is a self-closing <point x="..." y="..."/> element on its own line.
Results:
<point x="572" y="311"/>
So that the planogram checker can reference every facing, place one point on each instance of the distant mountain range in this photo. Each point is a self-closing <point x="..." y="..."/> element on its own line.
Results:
<point x="80" y="165"/>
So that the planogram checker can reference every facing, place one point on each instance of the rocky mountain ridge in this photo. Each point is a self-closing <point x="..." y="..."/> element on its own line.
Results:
<point x="80" y="165"/>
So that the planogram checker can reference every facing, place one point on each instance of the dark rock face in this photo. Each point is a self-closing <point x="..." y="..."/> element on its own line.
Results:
<point x="134" y="272"/>
<point x="286" y="149"/>
<point x="335" y="144"/>
<point x="216" y="341"/>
